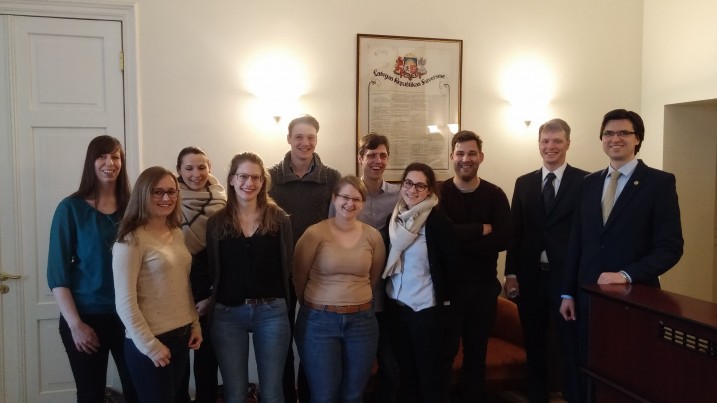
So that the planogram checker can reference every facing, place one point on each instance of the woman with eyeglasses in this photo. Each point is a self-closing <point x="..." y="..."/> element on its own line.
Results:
<point x="151" y="267"/>
<point x="337" y="263"/>
<point x="421" y="255"/>
<point x="79" y="270"/>
<point x="202" y="196"/>
<point x="250" y="248"/>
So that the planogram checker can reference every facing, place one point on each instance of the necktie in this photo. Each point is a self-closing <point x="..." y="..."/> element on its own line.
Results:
<point x="548" y="192"/>
<point x="609" y="199"/>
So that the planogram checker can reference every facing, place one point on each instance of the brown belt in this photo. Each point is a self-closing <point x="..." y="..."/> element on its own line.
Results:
<point x="259" y="301"/>
<point x="340" y="308"/>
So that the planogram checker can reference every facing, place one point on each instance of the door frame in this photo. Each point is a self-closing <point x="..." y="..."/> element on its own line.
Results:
<point x="13" y="385"/>
<point x="124" y="11"/>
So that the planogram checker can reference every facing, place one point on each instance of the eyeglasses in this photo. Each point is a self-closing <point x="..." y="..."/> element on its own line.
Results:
<point x="622" y="134"/>
<point x="407" y="184"/>
<point x="346" y="198"/>
<point x="257" y="179"/>
<point x="158" y="193"/>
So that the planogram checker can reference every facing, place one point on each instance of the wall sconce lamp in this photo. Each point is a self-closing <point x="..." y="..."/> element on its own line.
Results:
<point x="435" y="129"/>
<point x="528" y="86"/>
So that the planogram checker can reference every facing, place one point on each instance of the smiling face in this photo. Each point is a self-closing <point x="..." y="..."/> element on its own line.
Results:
<point x="373" y="163"/>
<point x="163" y="206"/>
<point x="108" y="167"/>
<point x="621" y="150"/>
<point x="553" y="146"/>
<point x="412" y="196"/>
<point x="248" y="180"/>
<point x="303" y="139"/>
<point x="466" y="158"/>
<point x="348" y="202"/>
<point x="194" y="170"/>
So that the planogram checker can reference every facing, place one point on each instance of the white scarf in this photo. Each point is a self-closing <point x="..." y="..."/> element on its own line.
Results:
<point x="197" y="207"/>
<point x="403" y="230"/>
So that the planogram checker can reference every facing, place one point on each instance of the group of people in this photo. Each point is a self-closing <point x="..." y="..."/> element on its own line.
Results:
<point x="397" y="274"/>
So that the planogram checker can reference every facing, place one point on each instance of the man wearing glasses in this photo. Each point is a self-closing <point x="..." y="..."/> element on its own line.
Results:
<point x="480" y="214"/>
<point x="302" y="186"/>
<point x="626" y="228"/>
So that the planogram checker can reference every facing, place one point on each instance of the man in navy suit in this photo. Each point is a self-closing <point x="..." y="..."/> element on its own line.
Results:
<point x="541" y="218"/>
<point x="627" y="224"/>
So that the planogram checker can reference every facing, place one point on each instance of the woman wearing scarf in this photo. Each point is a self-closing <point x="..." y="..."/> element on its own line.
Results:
<point x="421" y="254"/>
<point x="202" y="196"/>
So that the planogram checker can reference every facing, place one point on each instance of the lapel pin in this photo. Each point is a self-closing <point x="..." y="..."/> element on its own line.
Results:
<point x="636" y="183"/>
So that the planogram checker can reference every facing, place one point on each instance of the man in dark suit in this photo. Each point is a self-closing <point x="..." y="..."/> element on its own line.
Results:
<point x="627" y="224"/>
<point x="541" y="218"/>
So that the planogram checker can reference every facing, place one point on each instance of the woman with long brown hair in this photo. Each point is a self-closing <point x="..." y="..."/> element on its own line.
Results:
<point x="79" y="270"/>
<point x="250" y="248"/>
<point x="151" y="272"/>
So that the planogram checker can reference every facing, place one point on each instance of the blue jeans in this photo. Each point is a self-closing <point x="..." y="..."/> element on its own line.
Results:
<point x="230" y="330"/>
<point x="337" y="352"/>
<point x="160" y="384"/>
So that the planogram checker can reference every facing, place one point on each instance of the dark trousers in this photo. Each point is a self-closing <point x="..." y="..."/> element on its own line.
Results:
<point x="471" y="318"/>
<point x="550" y="341"/>
<point x="90" y="370"/>
<point x="386" y="390"/>
<point x="205" y="369"/>
<point x="160" y="384"/>
<point x="417" y="339"/>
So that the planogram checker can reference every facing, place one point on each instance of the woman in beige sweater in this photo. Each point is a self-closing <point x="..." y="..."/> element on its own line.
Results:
<point x="336" y="264"/>
<point x="150" y="264"/>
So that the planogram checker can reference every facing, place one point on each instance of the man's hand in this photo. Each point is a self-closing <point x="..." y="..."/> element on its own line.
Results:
<point x="487" y="229"/>
<point x="611" y="278"/>
<point x="567" y="309"/>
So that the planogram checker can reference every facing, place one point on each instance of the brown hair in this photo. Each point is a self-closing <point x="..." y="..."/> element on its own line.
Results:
<point x="89" y="188"/>
<point x="426" y="170"/>
<point x="466" y="135"/>
<point x="269" y="211"/>
<point x="307" y="119"/>
<point x="371" y="142"/>
<point x="555" y="125"/>
<point x="137" y="213"/>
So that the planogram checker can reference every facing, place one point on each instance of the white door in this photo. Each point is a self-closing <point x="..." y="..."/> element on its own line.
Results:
<point x="61" y="85"/>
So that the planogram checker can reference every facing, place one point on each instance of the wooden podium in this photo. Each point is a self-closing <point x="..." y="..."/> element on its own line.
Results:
<point x="649" y="345"/>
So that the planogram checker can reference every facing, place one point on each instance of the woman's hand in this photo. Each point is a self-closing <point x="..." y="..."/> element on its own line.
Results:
<point x="85" y="338"/>
<point x="161" y="357"/>
<point x="203" y="306"/>
<point x="195" y="340"/>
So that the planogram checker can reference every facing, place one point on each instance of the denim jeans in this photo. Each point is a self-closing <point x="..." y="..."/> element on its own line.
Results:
<point x="230" y="330"/>
<point x="160" y="384"/>
<point x="90" y="370"/>
<point x="337" y="352"/>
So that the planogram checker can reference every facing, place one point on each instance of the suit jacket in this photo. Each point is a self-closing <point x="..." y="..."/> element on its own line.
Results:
<point x="642" y="236"/>
<point x="534" y="230"/>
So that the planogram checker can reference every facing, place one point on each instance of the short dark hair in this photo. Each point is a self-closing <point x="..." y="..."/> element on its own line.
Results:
<point x="554" y="125"/>
<point x="306" y="119"/>
<point x="371" y="142"/>
<point x="466" y="135"/>
<point x="623" y="114"/>
<point x="426" y="170"/>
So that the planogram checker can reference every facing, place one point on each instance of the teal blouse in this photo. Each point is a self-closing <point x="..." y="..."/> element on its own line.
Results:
<point x="80" y="256"/>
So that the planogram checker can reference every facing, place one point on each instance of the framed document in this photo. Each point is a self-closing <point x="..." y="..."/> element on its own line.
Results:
<point x="409" y="89"/>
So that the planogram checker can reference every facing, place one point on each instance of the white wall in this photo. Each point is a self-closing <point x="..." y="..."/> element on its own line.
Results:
<point x="195" y="56"/>
<point x="680" y="66"/>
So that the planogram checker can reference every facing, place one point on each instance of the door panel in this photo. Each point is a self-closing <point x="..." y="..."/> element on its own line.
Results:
<point x="67" y="87"/>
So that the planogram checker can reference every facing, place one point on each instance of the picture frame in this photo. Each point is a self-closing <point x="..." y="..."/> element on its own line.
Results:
<point x="409" y="89"/>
